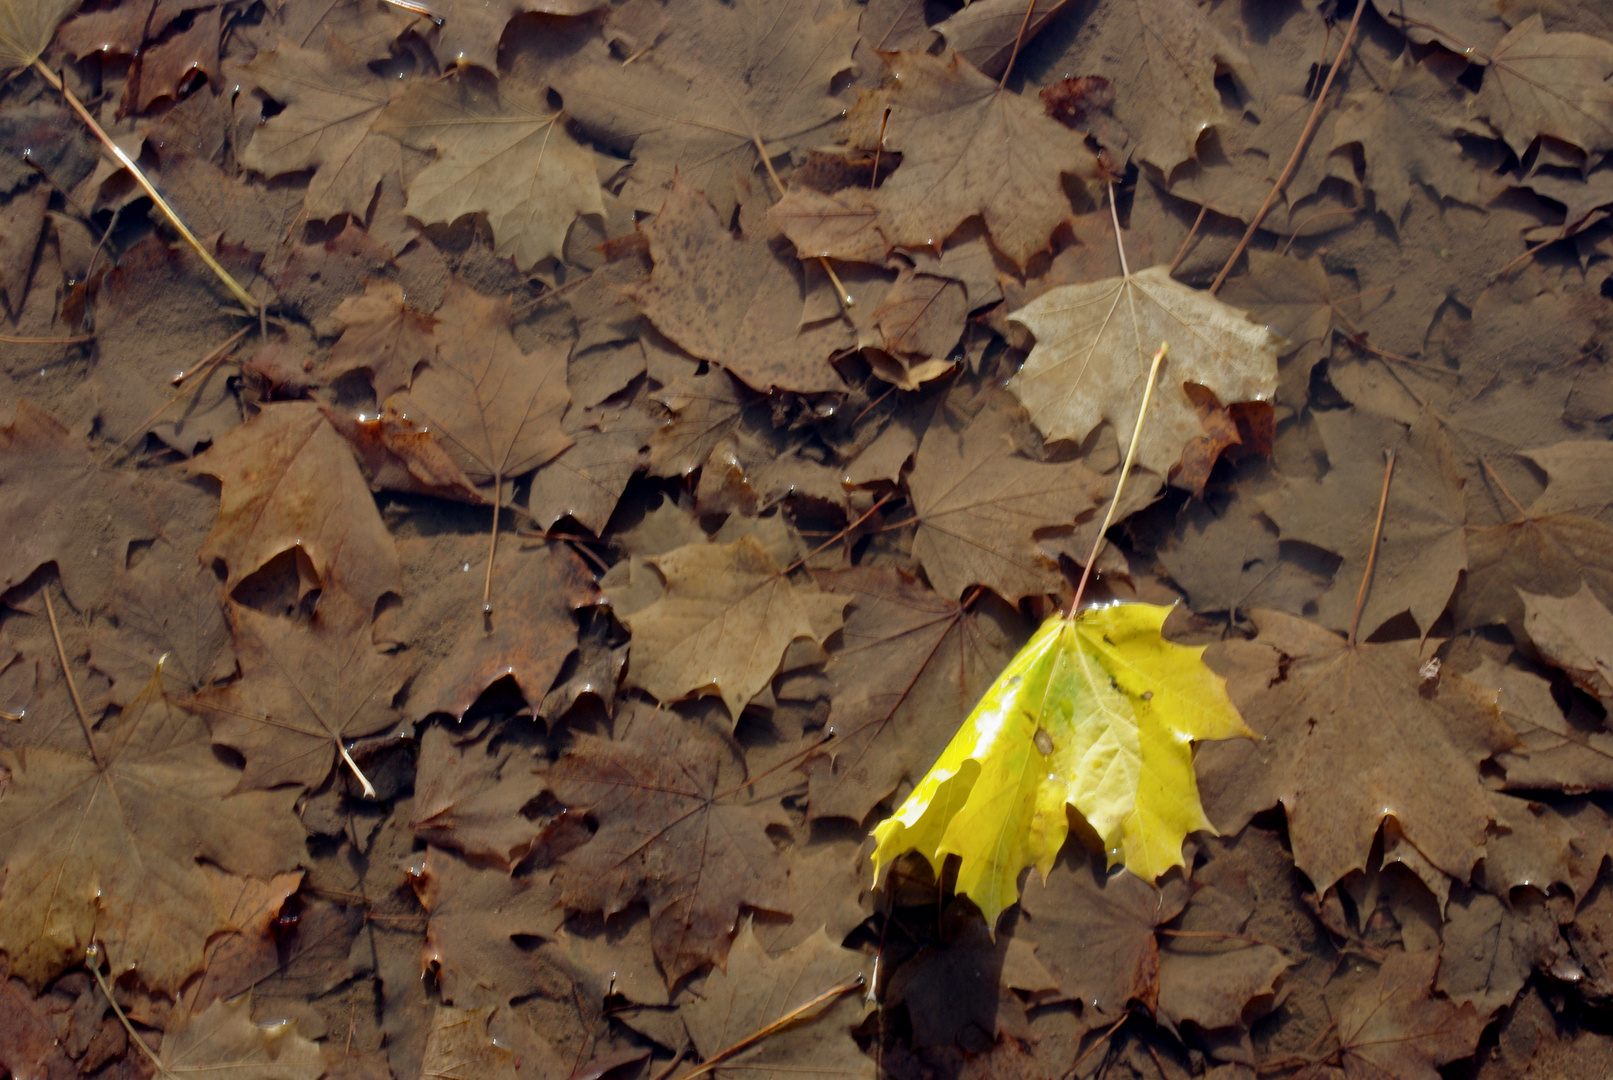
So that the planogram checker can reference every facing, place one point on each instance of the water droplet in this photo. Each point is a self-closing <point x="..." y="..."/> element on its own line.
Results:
<point x="466" y="568"/>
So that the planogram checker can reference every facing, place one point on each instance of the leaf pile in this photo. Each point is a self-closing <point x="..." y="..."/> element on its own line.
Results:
<point x="657" y="425"/>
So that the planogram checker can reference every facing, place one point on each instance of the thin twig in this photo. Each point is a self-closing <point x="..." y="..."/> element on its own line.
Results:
<point x="1511" y="498"/>
<point x="1019" y="39"/>
<point x="846" y="298"/>
<point x="1125" y="470"/>
<point x="1314" y="217"/>
<point x="1181" y="252"/>
<point x="673" y="1064"/>
<point x="150" y="189"/>
<point x="77" y="339"/>
<point x="92" y="960"/>
<point x="1372" y="551"/>
<point x="763" y="1032"/>
<point x="1294" y="158"/>
<point x="827" y="543"/>
<point x="492" y="547"/>
<point x="1114" y="216"/>
<point x="1100" y="1041"/>
<point x="204" y="366"/>
<point x="72" y="687"/>
<point x="873" y="181"/>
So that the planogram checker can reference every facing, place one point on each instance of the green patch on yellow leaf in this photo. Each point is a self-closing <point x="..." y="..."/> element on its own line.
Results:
<point x="1098" y="711"/>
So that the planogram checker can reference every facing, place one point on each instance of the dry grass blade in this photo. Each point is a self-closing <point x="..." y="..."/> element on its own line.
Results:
<point x="782" y="1022"/>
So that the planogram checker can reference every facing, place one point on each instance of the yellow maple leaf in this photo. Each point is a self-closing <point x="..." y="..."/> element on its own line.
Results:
<point x="1098" y="711"/>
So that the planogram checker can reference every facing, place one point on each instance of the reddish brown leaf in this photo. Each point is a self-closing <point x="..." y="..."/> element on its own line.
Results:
<point x="401" y="455"/>
<point x="469" y="796"/>
<point x="383" y="335"/>
<point x="290" y="481"/>
<point x="1394" y="1027"/>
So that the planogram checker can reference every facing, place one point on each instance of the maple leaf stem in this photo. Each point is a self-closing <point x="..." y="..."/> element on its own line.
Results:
<point x="1019" y="39"/>
<point x="846" y="299"/>
<point x="492" y="548"/>
<point x="1181" y="252"/>
<point x="1125" y="470"/>
<point x="1294" y="158"/>
<point x="72" y="687"/>
<point x="1120" y="246"/>
<point x="1102" y="1039"/>
<point x="364" y="781"/>
<point x="150" y="189"/>
<point x="1511" y="498"/>
<point x="763" y="1032"/>
<point x="1372" y="550"/>
<point x="92" y="960"/>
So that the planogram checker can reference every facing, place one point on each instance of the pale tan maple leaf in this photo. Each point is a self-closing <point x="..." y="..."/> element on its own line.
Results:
<point x="332" y="103"/>
<point x="1094" y="343"/>
<point x="500" y="151"/>
<point x="26" y="27"/>
<point x="1557" y="85"/>
<point x="723" y="623"/>
<point x="969" y="147"/>
<point x="223" y="1041"/>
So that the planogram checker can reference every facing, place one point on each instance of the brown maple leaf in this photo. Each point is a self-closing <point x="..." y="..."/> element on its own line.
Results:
<point x="755" y="990"/>
<point x="381" y="334"/>
<point x="980" y="504"/>
<point x="62" y="506"/>
<point x="1548" y="554"/>
<point x="105" y="846"/>
<point x="1575" y="634"/>
<point x="670" y="834"/>
<point x="909" y="666"/>
<point x="493" y="407"/>
<point x="968" y="147"/>
<point x="1327" y="709"/>
<point x="586" y="480"/>
<point x="733" y="300"/>
<point x="477" y="911"/>
<point x="1394" y="1027"/>
<point x="722" y="83"/>
<point x="705" y="411"/>
<point x="304" y="692"/>
<point x="469" y="796"/>
<point x="165" y="609"/>
<point x="500" y="151"/>
<point x="1423" y="549"/>
<point x="843" y="225"/>
<point x="332" y="105"/>
<point x="526" y="637"/>
<point x="723" y="623"/>
<point x="1095" y="929"/>
<point x="468" y="31"/>
<point x="290" y="481"/>
<point x="1542" y="83"/>
<point x="1165" y="90"/>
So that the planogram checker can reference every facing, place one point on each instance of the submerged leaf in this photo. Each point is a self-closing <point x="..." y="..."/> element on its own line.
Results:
<point x="1098" y="711"/>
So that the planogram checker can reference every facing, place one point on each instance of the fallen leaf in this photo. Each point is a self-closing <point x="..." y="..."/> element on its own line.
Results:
<point x="843" y="225"/>
<point x="222" y="1040"/>
<point x="922" y="315"/>
<point x="668" y="834"/>
<point x="26" y="27"/>
<point x="586" y="480"/>
<point x="478" y="913"/>
<point x="305" y="692"/>
<point x="170" y="64"/>
<point x="468" y="31"/>
<point x="1113" y="708"/>
<point x="990" y="32"/>
<point x="527" y="636"/>
<point x="1578" y="478"/>
<point x="1422" y="549"/>
<point x="1491" y="948"/>
<point x="1394" y="1027"/>
<point x="1165" y="89"/>
<point x="1213" y="972"/>
<point x="754" y="990"/>
<point x="980" y="503"/>
<point x="705" y="410"/>
<point x="1326" y="709"/>
<point x="909" y="666"/>
<point x="1095" y="929"/>
<point x="1541" y="83"/>
<point x="493" y="407"/>
<point x="1094" y="347"/>
<point x="733" y="300"/>
<point x="722" y="82"/>
<point x="290" y="481"/>
<point x="459" y="1045"/>
<point x="831" y="892"/>
<point x="381" y="334"/>
<point x="469" y="797"/>
<point x="401" y="455"/>
<point x="164" y="610"/>
<point x="1546" y="554"/>
<point x="1406" y="126"/>
<point x="63" y="506"/>
<point x="105" y="845"/>
<point x="723" y="623"/>
<point x="1553" y="751"/>
<point x="333" y="103"/>
<point x="500" y="151"/>
<point x="968" y="147"/>
<point x="1575" y="634"/>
